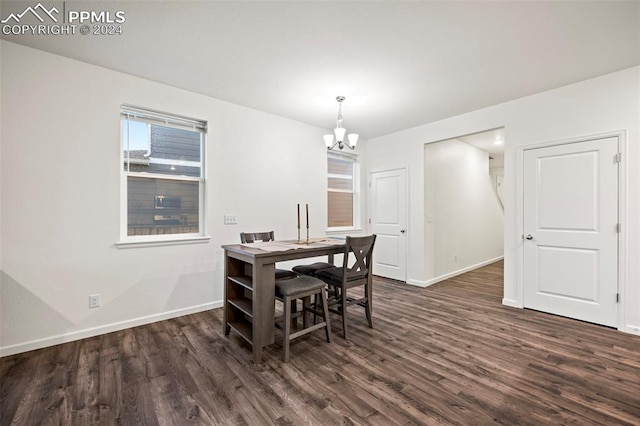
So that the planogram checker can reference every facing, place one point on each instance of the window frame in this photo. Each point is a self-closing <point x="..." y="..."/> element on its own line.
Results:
<point x="353" y="158"/>
<point x="150" y="117"/>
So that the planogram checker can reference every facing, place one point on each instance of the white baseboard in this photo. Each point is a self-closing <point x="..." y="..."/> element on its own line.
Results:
<point x="103" y="329"/>
<point x="461" y="271"/>
<point x="631" y="329"/>
<point x="417" y="283"/>
<point x="511" y="302"/>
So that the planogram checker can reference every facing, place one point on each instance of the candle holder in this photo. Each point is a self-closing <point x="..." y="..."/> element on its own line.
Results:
<point x="307" y="208"/>
<point x="307" y="241"/>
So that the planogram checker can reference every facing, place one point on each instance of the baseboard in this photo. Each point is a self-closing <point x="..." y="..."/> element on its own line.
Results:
<point x="631" y="329"/>
<point x="417" y="283"/>
<point x="103" y="329"/>
<point x="461" y="271"/>
<point x="511" y="302"/>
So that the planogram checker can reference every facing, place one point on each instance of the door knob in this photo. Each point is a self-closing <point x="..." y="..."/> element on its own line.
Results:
<point x="402" y="231"/>
<point x="529" y="237"/>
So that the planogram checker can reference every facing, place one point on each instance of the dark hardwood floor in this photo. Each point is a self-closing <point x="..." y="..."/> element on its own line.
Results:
<point x="447" y="354"/>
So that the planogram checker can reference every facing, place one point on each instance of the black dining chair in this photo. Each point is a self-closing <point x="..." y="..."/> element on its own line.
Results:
<point x="341" y="279"/>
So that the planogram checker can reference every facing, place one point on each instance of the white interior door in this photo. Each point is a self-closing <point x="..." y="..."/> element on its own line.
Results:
<point x="570" y="230"/>
<point x="388" y="220"/>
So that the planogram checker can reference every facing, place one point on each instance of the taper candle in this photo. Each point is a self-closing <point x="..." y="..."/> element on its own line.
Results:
<point x="298" y="215"/>
<point x="307" y="216"/>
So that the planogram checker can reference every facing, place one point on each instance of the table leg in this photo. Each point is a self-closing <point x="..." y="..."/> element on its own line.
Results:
<point x="263" y="307"/>
<point x="225" y="317"/>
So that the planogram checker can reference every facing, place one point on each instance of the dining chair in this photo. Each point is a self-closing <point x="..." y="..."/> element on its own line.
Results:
<point x="302" y="287"/>
<point x="252" y="237"/>
<point x="341" y="279"/>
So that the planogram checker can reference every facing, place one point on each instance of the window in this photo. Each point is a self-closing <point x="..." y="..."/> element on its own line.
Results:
<point x="163" y="175"/>
<point x="341" y="190"/>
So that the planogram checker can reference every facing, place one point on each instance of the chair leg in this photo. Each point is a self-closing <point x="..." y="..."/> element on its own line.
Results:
<point x="306" y="306"/>
<point x="286" y="329"/>
<point x="325" y="309"/>
<point x="368" y="305"/>
<point x="294" y="310"/>
<point x="344" y="312"/>
<point x="315" y="308"/>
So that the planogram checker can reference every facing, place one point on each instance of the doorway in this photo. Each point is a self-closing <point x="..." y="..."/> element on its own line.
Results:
<point x="464" y="218"/>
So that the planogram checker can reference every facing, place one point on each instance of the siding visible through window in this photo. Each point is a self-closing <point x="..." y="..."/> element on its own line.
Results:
<point x="163" y="166"/>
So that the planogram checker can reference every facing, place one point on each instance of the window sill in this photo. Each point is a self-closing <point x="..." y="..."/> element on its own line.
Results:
<point x="345" y="230"/>
<point x="167" y="241"/>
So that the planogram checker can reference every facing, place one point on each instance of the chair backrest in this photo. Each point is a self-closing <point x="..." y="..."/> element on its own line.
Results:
<point x="362" y="249"/>
<point x="252" y="237"/>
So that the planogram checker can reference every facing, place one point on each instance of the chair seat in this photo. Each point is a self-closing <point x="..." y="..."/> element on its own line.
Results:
<point x="283" y="274"/>
<point x="298" y="285"/>
<point x="332" y="275"/>
<point x="312" y="269"/>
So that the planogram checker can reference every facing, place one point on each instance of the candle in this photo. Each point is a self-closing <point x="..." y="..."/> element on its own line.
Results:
<point x="298" y="215"/>
<point x="307" y="216"/>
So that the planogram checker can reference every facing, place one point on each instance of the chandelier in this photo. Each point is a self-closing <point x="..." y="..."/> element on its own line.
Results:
<point x="340" y="131"/>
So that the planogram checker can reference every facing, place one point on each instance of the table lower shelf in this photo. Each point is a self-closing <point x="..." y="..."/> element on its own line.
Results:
<point x="244" y="329"/>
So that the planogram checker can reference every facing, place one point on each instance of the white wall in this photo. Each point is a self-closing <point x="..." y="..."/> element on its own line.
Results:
<point x="60" y="174"/>
<point x="605" y="104"/>
<point x="0" y="186"/>
<point x="463" y="217"/>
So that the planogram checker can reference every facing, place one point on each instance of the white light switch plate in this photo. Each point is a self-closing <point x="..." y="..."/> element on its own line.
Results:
<point x="230" y="219"/>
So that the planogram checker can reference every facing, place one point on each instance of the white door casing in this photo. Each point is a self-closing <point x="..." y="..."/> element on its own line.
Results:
<point x="570" y="239"/>
<point x="388" y="220"/>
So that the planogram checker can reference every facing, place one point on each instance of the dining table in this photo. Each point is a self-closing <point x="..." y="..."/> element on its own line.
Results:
<point x="249" y="284"/>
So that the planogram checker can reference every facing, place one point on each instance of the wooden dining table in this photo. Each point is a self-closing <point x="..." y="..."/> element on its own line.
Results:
<point x="249" y="284"/>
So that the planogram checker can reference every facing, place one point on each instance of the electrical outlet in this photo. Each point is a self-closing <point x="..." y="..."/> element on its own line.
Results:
<point x="230" y="219"/>
<point x="94" y="301"/>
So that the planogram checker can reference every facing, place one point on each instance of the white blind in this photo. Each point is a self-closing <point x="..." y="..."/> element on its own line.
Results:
<point x="340" y="190"/>
<point x="156" y="117"/>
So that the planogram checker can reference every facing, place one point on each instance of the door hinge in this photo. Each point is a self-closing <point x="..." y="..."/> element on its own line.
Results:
<point x="617" y="297"/>
<point x="618" y="228"/>
<point x="369" y="221"/>
<point x="618" y="157"/>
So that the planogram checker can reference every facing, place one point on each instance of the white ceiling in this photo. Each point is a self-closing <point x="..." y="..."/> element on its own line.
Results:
<point x="399" y="63"/>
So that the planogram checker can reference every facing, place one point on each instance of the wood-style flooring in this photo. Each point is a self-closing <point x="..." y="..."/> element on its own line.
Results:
<point x="447" y="354"/>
